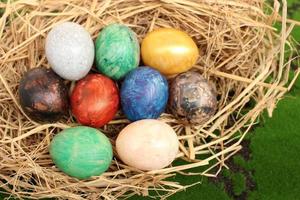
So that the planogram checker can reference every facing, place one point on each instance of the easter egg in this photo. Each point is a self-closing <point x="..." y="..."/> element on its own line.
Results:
<point x="70" y="50"/>
<point x="117" y="51"/>
<point x="147" y="144"/>
<point x="192" y="98"/>
<point x="81" y="152"/>
<point x="144" y="94"/>
<point x="95" y="100"/>
<point x="43" y="95"/>
<point x="170" y="51"/>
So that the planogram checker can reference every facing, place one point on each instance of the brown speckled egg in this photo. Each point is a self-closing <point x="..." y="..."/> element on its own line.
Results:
<point x="192" y="99"/>
<point x="43" y="95"/>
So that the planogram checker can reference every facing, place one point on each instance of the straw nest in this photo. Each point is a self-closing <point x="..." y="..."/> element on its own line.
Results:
<point x="241" y="53"/>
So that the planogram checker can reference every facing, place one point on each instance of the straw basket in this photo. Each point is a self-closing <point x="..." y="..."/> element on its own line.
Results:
<point x="241" y="53"/>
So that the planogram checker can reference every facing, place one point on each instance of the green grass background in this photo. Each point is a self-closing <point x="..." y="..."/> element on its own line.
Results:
<point x="274" y="164"/>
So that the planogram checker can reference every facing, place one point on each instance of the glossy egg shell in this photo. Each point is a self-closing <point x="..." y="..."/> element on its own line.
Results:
<point x="70" y="50"/>
<point x="170" y="51"/>
<point x="81" y="152"/>
<point x="95" y="100"/>
<point x="144" y="94"/>
<point x="117" y="51"/>
<point x="43" y="95"/>
<point x="192" y="98"/>
<point x="147" y="144"/>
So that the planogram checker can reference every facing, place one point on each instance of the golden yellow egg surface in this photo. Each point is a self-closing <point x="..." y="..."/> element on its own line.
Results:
<point x="169" y="50"/>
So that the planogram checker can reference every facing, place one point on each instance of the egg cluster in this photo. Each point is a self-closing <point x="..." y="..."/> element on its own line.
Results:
<point x="144" y="94"/>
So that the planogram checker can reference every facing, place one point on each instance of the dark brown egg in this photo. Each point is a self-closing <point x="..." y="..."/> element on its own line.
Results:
<point x="192" y="99"/>
<point x="43" y="95"/>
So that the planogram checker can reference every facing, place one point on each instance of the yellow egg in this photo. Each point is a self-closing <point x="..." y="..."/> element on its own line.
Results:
<point x="169" y="50"/>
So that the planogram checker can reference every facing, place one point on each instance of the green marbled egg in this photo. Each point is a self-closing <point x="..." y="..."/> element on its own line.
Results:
<point x="117" y="51"/>
<point x="81" y="152"/>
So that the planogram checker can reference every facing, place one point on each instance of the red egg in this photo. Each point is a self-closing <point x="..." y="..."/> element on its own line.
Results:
<point x="95" y="100"/>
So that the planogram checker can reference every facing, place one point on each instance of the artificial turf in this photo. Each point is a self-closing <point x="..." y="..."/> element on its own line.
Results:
<point x="275" y="148"/>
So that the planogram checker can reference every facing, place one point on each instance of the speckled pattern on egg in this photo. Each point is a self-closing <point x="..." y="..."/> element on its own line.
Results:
<point x="192" y="98"/>
<point x="144" y="94"/>
<point x="70" y="50"/>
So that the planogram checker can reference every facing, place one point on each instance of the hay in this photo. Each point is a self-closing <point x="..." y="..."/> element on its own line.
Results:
<point x="241" y="53"/>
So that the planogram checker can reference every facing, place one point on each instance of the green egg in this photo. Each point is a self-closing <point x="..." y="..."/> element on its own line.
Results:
<point x="117" y="51"/>
<point x="81" y="152"/>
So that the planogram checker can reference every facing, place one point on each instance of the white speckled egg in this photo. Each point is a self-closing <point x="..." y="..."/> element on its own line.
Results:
<point x="70" y="50"/>
<point x="147" y="144"/>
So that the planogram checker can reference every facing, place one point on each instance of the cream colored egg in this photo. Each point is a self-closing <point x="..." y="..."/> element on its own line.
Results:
<point x="147" y="145"/>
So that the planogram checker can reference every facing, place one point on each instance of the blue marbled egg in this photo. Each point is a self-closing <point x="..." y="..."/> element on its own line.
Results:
<point x="144" y="94"/>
